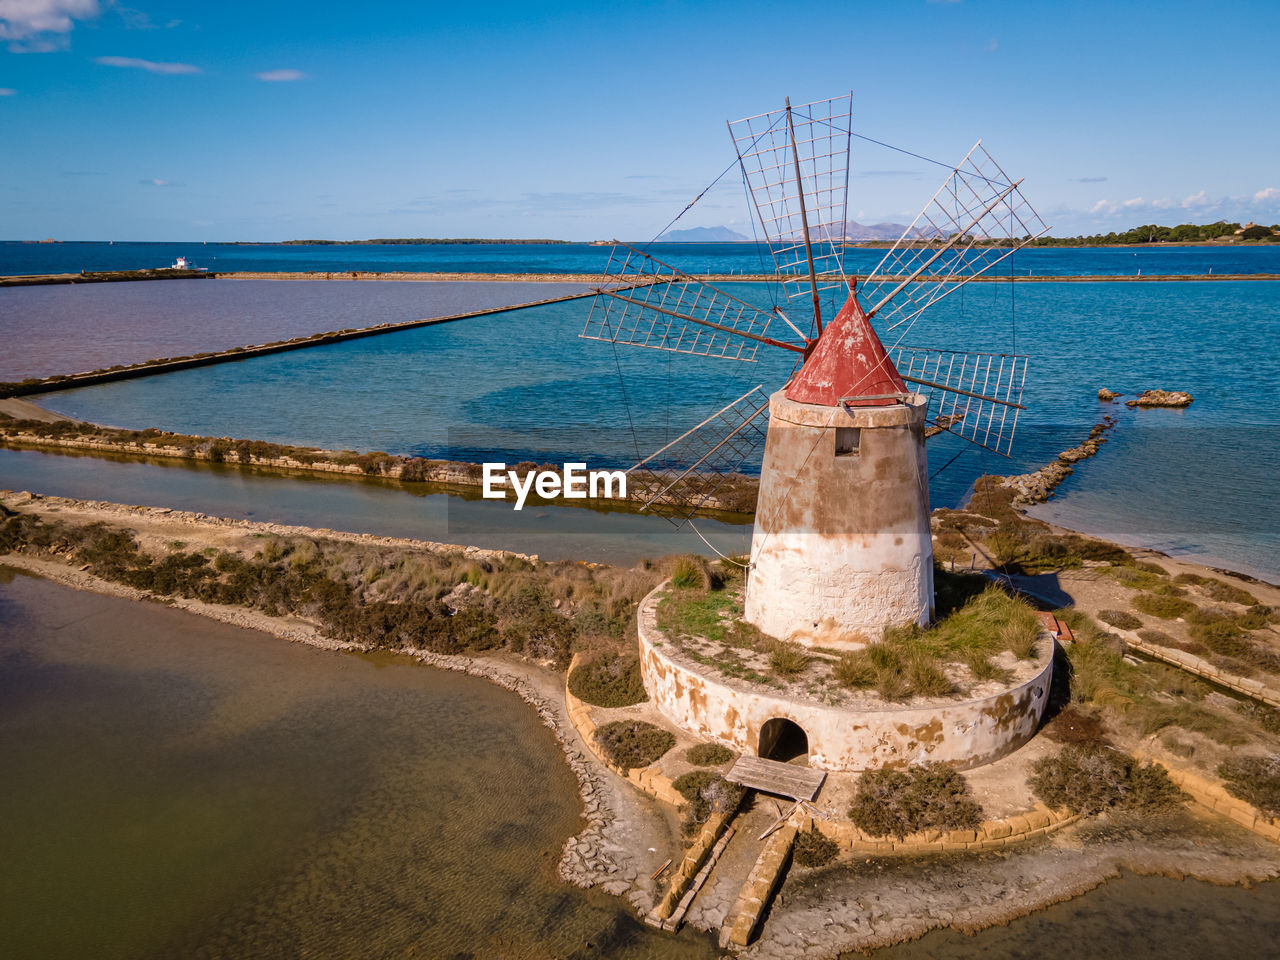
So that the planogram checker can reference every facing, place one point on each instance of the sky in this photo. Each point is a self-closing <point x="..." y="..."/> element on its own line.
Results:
<point x="582" y="121"/>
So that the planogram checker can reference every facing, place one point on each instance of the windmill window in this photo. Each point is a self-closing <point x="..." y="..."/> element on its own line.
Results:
<point x="847" y="440"/>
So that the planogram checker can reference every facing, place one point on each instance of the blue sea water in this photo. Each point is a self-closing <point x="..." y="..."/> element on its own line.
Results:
<point x="72" y="257"/>
<point x="1198" y="482"/>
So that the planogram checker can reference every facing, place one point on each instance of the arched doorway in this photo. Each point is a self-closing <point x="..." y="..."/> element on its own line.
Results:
<point x="782" y="740"/>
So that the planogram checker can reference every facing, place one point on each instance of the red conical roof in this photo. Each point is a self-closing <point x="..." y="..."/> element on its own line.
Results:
<point x="849" y="361"/>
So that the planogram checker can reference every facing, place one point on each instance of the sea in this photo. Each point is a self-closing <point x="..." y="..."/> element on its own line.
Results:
<point x="522" y="385"/>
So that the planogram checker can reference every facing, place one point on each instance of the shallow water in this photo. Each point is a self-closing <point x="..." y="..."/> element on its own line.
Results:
<point x="522" y="386"/>
<point x="175" y="787"/>
<point x="358" y="505"/>
<point x="1125" y="919"/>
<point x="80" y="327"/>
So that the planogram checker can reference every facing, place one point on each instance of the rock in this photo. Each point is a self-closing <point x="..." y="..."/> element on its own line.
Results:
<point x="1106" y="396"/>
<point x="1161" y="398"/>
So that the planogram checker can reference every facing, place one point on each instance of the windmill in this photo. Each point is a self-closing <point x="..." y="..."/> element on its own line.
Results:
<point x="841" y="546"/>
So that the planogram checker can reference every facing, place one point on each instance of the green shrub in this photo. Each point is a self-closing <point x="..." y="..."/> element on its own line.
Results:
<point x="633" y="743"/>
<point x="897" y="802"/>
<point x="608" y="681"/>
<point x="1225" y="592"/>
<point x="1158" y="637"/>
<point x="707" y="793"/>
<point x="708" y="755"/>
<point x="1088" y="779"/>
<point x="1255" y="780"/>
<point x="812" y="849"/>
<point x="1163" y="606"/>
<point x="787" y="659"/>
<point x="689" y="573"/>
<point x="1120" y="618"/>
<point x="1221" y="632"/>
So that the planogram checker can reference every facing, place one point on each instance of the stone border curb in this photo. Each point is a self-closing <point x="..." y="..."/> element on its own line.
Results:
<point x="649" y="779"/>
<point x="990" y="834"/>
<point x="1214" y="796"/>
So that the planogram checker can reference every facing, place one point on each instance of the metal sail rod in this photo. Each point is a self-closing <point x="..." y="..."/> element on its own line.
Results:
<point x="706" y="323"/>
<point x="804" y="221"/>
<point x="966" y="393"/>
<point x="946" y="293"/>
<point x="702" y="459"/>
<point x="947" y="246"/>
<point x="694" y="429"/>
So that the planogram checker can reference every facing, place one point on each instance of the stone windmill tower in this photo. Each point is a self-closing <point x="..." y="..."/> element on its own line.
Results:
<point x="841" y="547"/>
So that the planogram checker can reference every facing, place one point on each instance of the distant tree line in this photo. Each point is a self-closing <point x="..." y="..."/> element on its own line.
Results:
<point x="1154" y="233"/>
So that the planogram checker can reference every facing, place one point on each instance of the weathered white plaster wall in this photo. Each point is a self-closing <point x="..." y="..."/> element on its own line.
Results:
<point x="841" y="547"/>
<point x="966" y="734"/>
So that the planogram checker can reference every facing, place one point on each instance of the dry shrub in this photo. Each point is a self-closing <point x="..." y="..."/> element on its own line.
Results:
<point x="707" y="793"/>
<point x="709" y="755"/>
<point x="812" y="849"/>
<point x="897" y="802"/>
<point x="1088" y="779"/>
<point x="1073" y="725"/>
<point x="633" y="743"/>
<point x="1255" y="780"/>
<point x="1120" y="618"/>
<point x="608" y="681"/>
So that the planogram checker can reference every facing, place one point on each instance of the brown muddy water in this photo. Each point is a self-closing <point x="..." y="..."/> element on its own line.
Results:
<point x="176" y="787"/>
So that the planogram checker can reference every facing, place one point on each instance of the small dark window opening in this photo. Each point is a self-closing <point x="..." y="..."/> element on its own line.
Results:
<point x="847" y="439"/>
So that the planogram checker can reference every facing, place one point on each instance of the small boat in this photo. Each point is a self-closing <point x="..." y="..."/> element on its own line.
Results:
<point x="182" y="263"/>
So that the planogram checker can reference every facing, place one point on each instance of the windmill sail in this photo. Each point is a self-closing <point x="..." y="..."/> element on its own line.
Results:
<point x="796" y="164"/>
<point x="976" y="396"/>
<point x="976" y="219"/>
<point x="682" y="477"/>
<point x="647" y="303"/>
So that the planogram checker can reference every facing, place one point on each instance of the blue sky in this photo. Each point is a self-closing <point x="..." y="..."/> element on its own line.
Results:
<point x="271" y="121"/>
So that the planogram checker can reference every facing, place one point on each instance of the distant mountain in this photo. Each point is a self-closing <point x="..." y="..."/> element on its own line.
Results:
<point x="703" y="235"/>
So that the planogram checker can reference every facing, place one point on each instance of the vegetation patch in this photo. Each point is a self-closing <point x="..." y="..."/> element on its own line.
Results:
<point x="1089" y="779"/>
<point x="608" y="681"/>
<point x="709" y="755"/>
<point x="1164" y="606"/>
<point x="1255" y="780"/>
<point x="707" y="793"/>
<point x="1120" y="618"/>
<point x="1146" y="698"/>
<point x="897" y="802"/>
<point x="372" y="596"/>
<point x="812" y="849"/>
<point x="633" y="743"/>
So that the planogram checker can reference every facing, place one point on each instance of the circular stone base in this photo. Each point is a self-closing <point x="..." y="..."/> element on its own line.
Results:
<point x="966" y="733"/>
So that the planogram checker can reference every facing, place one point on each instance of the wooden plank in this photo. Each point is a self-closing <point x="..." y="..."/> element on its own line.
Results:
<point x="770" y="776"/>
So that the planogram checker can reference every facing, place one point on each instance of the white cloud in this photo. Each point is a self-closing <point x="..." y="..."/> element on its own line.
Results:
<point x="150" y="66"/>
<point x="1200" y="199"/>
<point x="1164" y="203"/>
<point x="157" y="182"/>
<point x="38" y="26"/>
<point x="280" y="76"/>
<point x="1135" y="202"/>
<point x="1103" y="206"/>
<point x="993" y="45"/>
<point x="1268" y="194"/>
<point x="8" y="92"/>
